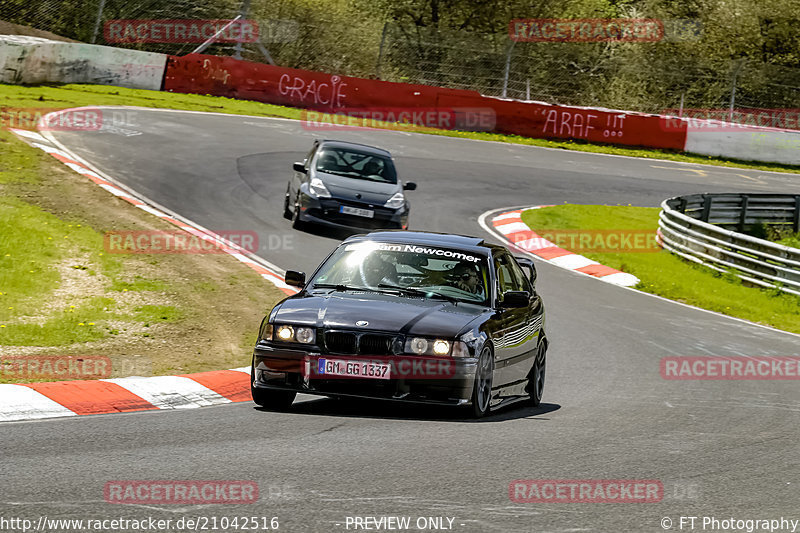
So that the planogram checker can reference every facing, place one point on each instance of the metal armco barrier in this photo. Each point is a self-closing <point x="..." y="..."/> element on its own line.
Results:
<point x="699" y="227"/>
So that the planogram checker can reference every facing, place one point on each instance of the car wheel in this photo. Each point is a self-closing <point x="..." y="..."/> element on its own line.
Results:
<point x="296" y="222"/>
<point x="536" y="376"/>
<point x="482" y="389"/>
<point x="287" y="213"/>
<point x="274" y="400"/>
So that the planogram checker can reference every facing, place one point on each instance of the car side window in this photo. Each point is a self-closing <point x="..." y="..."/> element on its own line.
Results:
<point x="519" y="275"/>
<point x="310" y="156"/>
<point x="506" y="278"/>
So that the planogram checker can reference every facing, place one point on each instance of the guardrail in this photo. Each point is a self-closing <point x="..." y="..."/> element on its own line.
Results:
<point x="696" y="227"/>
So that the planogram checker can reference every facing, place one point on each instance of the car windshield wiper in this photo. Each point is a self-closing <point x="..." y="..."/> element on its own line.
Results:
<point x="419" y="292"/>
<point x="340" y="288"/>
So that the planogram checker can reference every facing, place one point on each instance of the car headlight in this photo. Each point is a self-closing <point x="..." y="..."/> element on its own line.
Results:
<point x="396" y="201"/>
<point x="287" y="333"/>
<point x="318" y="189"/>
<point x="284" y="333"/>
<point x="304" y="335"/>
<point x="421" y="346"/>
<point x="417" y="345"/>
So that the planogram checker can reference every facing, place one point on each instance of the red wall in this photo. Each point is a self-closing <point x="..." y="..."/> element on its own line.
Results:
<point x="224" y="76"/>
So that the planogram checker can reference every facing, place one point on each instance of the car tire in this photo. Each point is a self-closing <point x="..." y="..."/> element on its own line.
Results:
<point x="287" y="213"/>
<point x="274" y="400"/>
<point x="537" y="374"/>
<point x="482" y="388"/>
<point x="296" y="222"/>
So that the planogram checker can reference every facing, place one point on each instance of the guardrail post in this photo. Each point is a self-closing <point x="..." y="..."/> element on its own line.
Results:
<point x="796" y="221"/>
<point x="683" y="204"/>
<point x="706" y="208"/>
<point x="743" y="212"/>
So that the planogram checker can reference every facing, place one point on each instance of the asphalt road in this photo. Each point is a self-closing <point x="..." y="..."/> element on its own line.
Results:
<point x="720" y="448"/>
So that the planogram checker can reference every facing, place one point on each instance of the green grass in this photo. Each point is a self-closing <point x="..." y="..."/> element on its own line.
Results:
<point x="32" y="244"/>
<point x="792" y="241"/>
<point x="158" y="313"/>
<point x="70" y="95"/>
<point x="667" y="275"/>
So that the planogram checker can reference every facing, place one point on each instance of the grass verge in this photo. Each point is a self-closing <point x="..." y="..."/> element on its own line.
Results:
<point x="667" y="275"/>
<point x="62" y="294"/>
<point x="71" y="95"/>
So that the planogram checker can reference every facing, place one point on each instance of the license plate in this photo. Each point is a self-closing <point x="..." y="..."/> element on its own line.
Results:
<point x="353" y="369"/>
<point x="366" y="213"/>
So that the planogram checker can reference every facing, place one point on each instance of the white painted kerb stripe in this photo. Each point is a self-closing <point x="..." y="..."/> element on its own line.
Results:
<point x="514" y="227"/>
<point x="506" y="216"/>
<point x="170" y="392"/>
<point x="572" y="261"/>
<point x="23" y="403"/>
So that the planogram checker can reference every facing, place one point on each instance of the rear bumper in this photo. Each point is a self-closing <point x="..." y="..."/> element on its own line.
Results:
<point x="414" y="379"/>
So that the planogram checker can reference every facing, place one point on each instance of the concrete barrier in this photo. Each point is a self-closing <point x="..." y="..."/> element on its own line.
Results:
<point x="31" y="60"/>
<point x="749" y="144"/>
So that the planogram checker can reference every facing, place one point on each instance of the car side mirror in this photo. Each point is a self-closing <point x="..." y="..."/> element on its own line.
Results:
<point x="295" y="278"/>
<point x="410" y="186"/>
<point x="299" y="167"/>
<point x="515" y="299"/>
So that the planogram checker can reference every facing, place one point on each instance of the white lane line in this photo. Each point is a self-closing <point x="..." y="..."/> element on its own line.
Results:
<point x="18" y="402"/>
<point x="29" y="134"/>
<point x="152" y="211"/>
<point x="113" y="190"/>
<point x="170" y="392"/>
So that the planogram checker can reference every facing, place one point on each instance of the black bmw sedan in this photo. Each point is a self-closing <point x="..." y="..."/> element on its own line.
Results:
<point x="347" y="185"/>
<point x="408" y="317"/>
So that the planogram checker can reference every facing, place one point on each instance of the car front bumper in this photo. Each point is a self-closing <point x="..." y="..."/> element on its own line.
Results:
<point x="326" y="211"/>
<point x="281" y="368"/>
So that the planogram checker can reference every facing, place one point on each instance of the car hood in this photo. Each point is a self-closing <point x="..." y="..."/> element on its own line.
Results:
<point x="383" y="312"/>
<point x="371" y="191"/>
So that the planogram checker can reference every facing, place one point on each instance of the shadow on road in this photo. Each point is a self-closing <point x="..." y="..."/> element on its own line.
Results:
<point x="352" y="408"/>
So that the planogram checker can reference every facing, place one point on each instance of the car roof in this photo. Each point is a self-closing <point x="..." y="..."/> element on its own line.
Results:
<point x="462" y="242"/>
<point x="356" y="146"/>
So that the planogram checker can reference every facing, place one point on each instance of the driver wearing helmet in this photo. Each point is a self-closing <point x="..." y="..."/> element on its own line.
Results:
<point x="467" y="279"/>
<point x="376" y="270"/>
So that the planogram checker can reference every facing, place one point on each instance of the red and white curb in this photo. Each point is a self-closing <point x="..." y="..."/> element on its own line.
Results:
<point x="269" y="272"/>
<point x="120" y="395"/>
<point x="518" y="235"/>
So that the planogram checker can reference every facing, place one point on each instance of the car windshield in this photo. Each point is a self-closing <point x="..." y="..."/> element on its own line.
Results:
<point x="355" y="164"/>
<point x="410" y="269"/>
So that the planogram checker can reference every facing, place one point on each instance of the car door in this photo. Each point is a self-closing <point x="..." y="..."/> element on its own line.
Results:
<point x="510" y="343"/>
<point x="531" y="324"/>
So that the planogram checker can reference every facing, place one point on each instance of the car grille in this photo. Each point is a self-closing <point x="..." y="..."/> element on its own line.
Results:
<point x="348" y="343"/>
<point x="340" y="342"/>
<point x="375" y="345"/>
